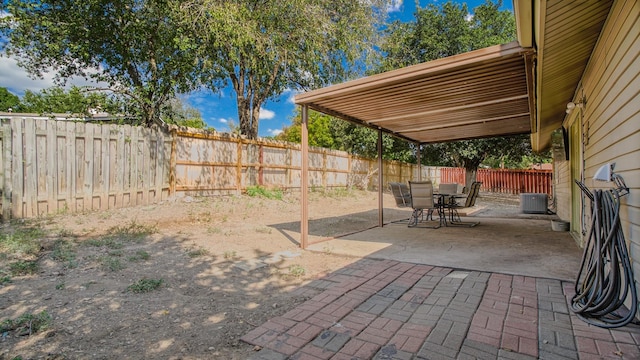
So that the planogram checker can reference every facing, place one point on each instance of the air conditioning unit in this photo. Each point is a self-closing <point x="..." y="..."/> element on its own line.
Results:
<point x="533" y="203"/>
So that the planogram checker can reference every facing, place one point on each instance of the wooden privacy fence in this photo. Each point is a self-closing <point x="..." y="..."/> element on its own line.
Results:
<point x="50" y="166"/>
<point x="508" y="181"/>
<point x="57" y="166"/>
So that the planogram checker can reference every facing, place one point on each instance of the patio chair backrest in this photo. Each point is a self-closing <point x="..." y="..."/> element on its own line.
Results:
<point x="401" y="194"/>
<point x="421" y="194"/>
<point x="473" y="194"/>
<point x="451" y="188"/>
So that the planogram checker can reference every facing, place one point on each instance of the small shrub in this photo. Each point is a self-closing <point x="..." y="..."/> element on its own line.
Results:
<point x="116" y="253"/>
<point x="297" y="270"/>
<point x="108" y="242"/>
<point x="197" y="252"/>
<point x="140" y="255"/>
<point x="214" y="230"/>
<point x="340" y="192"/>
<point x="23" y="267"/>
<point x="264" y="230"/>
<point x="63" y="252"/>
<point x="22" y="241"/>
<point x="130" y="232"/>
<point x="145" y="285"/>
<point x="230" y="254"/>
<point x="264" y="192"/>
<point x="5" y="279"/>
<point x="60" y="286"/>
<point x="27" y="324"/>
<point x="112" y="263"/>
<point x="66" y="233"/>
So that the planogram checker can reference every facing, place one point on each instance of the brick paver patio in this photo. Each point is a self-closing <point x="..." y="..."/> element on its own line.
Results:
<point x="384" y="309"/>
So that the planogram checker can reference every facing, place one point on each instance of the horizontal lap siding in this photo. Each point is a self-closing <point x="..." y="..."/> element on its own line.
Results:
<point x="562" y="189"/>
<point x="611" y="119"/>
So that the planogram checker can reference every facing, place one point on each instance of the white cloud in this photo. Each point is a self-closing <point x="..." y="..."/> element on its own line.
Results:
<point x="291" y="95"/>
<point x="274" y="132"/>
<point x="18" y="81"/>
<point x="469" y="17"/>
<point x="266" y="114"/>
<point x="394" y="6"/>
<point x="224" y="121"/>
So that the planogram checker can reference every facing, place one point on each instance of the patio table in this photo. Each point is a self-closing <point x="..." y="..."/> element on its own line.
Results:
<point x="444" y="201"/>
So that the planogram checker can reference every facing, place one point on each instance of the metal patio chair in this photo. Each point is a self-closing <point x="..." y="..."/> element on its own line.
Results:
<point x="401" y="194"/>
<point x="421" y="201"/>
<point x="470" y="200"/>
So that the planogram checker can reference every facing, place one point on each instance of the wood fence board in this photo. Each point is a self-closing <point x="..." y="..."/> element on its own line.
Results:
<point x="7" y="184"/>
<point x="136" y="181"/>
<point x="31" y="168"/>
<point x="70" y="145"/>
<point x="115" y="186"/>
<point x="145" y="146"/>
<point x="41" y="164"/>
<point x="104" y="168"/>
<point x="51" y="140"/>
<point x="91" y="167"/>
<point x="17" y="203"/>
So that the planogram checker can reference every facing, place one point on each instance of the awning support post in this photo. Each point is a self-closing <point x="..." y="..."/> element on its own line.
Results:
<point x="419" y="160"/>
<point x="304" y="179"/>
<point x="380" y="181"/>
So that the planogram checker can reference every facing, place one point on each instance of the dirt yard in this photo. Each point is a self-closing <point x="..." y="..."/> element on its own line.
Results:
<point x="184" y="279"/>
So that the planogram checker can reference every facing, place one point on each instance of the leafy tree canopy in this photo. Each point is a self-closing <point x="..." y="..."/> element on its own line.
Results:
<point x="8" y="101"/>
<point x="133" y="46"/>
<point x="76" y="101"/>
<point x="265" y="47"/>
<point x="177" y="112"/>
<point x="329" y="132"/>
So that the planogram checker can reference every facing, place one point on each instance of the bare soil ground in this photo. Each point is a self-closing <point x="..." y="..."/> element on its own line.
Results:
<point x="223" y="264"/>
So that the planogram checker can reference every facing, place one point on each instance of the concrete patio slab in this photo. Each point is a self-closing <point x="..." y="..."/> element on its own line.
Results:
<point x="516" y="246"/>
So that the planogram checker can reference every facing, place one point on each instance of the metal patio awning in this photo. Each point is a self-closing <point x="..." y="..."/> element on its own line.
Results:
<point x="482" y="93"/>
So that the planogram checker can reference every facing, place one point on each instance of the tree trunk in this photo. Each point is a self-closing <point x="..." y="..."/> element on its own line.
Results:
<point x="470" y="176"/>
<point x="244" y="117"/>
<point x="255" y="117"/>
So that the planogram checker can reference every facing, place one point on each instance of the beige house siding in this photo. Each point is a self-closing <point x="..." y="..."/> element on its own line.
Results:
<point x="610" y="90"/>
<point x="562" y="188"/>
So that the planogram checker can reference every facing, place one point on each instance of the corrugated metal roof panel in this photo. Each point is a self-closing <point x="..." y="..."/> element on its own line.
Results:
<point x="477" y="94"/>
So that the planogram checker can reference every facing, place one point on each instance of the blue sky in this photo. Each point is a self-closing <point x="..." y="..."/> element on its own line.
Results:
<point x="219" y="110"/>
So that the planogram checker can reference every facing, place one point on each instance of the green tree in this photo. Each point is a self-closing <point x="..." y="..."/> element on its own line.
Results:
<point x="75" y="101"/>
<point x="265" y="47"/>
<point x="329" y="132"/>
<point x="319" y="130"/>
<point x="446" y="30"/>
<point x="179" y="113"/>
<point x="133" y="46"/>
<point x="363" y="141"/>
<point x="8" y="101"/>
